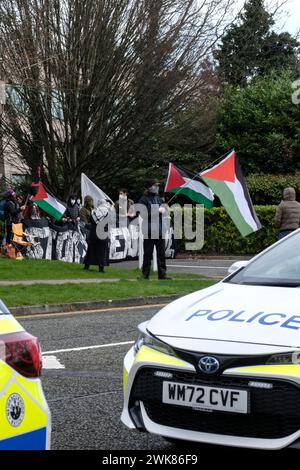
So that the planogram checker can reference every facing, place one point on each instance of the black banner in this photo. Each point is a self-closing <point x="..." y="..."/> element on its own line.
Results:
<point x="65" y="243"/>
<point x="68" y="242"/>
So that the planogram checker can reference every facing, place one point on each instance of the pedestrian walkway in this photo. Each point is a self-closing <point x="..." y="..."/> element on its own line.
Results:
<point x="32" y="282"/>
<point x="56" y="282"/>
<point x="214" y="267"/>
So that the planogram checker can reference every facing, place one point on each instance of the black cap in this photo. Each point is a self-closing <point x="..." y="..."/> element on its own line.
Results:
<point x="150" y="183"/>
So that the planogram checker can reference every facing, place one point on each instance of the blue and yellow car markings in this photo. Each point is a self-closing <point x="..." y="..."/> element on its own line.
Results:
<point x="32" y="430"/>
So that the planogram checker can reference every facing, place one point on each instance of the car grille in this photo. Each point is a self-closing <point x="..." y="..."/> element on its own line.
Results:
<point x="274" y="413"/>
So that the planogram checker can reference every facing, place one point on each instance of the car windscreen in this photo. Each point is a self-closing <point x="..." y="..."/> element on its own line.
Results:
<point x="280" y="266"/>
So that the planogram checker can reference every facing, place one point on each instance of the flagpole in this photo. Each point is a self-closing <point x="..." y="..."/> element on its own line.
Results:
<point x="198" y="174"/>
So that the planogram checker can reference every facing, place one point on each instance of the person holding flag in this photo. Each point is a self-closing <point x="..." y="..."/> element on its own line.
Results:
<point x="153" y="229"/>
<point x="97" y="246"/>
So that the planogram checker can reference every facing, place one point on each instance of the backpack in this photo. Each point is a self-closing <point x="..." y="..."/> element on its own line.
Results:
<point x="2" y="213"/>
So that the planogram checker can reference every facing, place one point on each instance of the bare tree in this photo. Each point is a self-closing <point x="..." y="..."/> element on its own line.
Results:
<point x="89" y="82"/>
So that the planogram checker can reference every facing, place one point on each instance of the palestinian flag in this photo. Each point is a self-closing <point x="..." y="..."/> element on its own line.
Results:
<point x="227" y="181"/>
<point x="181" y="181"/>
<point x="47" y="202"/>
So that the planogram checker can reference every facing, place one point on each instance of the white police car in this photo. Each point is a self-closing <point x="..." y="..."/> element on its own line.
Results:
<point x="222" y="365"/>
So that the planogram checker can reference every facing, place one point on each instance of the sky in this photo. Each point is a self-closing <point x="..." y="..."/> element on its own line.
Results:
<point x="289" y="17"/>
<point x="292" y="24"/>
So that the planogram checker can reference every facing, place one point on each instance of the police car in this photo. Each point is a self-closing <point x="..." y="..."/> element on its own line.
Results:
<point x="222" y="365"/>
<point x="25" y="422"/>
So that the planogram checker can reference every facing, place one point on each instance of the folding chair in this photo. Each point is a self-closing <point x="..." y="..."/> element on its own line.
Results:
<point x="19" y="241"/>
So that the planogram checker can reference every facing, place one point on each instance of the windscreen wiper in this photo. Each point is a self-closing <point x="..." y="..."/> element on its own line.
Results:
<point x="271" y="283"/>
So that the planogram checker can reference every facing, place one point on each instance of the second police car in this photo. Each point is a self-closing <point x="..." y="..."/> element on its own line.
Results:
<point x="222" y="365"/>
<point x="25" y="420"/>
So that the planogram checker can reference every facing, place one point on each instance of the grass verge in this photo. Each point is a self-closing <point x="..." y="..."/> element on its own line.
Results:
<point x="38" y="294"/>
<point x="27" y="269"/>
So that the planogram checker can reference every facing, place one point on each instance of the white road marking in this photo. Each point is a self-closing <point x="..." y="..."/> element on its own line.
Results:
<point x="85" y="348"/>
<point x="51" y="362"/>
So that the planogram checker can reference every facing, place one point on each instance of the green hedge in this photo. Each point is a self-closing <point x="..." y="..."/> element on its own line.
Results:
<point x="267" y="189"/>
<point x="222" y="237"/>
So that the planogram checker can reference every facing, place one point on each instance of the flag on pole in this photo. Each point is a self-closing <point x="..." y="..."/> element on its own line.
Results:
<point x="227" y="181"/>
<point x="47" y="202"/>
<point x="88" y="188"/>
<point x="182" y="181"/>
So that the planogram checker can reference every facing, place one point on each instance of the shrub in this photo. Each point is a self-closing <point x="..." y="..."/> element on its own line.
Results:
<point x="267" y="189"/>
<point x="222" y="237"/>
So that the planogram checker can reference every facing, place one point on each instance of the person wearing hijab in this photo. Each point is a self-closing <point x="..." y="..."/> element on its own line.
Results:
<point x="86" y="211"/>
<point x="97" y="246"/>
<point x="287" y="217"/>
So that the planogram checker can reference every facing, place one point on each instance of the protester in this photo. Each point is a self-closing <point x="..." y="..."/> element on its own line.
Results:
<point x="12" y="212"/>
<point x="72" y="211"/>
<point x="97" y="247"/>
<point x="22" y="201"/>
<point x="112" y="219"/>
<point x="124" y="208"/>
<point x="31" y="211"/>
<point x="79" y="202"/>
<point x="86" y="211"/>
<point x="287" y="217"/>
<point x="153" y="229"/>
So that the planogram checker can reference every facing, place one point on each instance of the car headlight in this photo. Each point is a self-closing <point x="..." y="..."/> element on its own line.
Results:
<point x="284" y="358"/>
<point x="145" y="339"/>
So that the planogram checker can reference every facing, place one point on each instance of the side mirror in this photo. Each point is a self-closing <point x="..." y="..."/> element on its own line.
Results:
<point x="236" y="266"/>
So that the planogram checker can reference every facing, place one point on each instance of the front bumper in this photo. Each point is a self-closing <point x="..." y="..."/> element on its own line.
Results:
<point x="273" y="421"/>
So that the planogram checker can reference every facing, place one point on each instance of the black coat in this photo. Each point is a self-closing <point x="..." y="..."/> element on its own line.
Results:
<point x="152" y="224"/>
<point x="72" y="212"/>
<point x="12" y="211"/>
<point x="97" y="248"/>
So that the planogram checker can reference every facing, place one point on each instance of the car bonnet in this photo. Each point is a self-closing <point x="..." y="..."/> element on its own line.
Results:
<point x="234" y="313"/>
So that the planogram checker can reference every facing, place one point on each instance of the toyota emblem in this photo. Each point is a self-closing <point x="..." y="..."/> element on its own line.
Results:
<point x="209" y="365"/>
